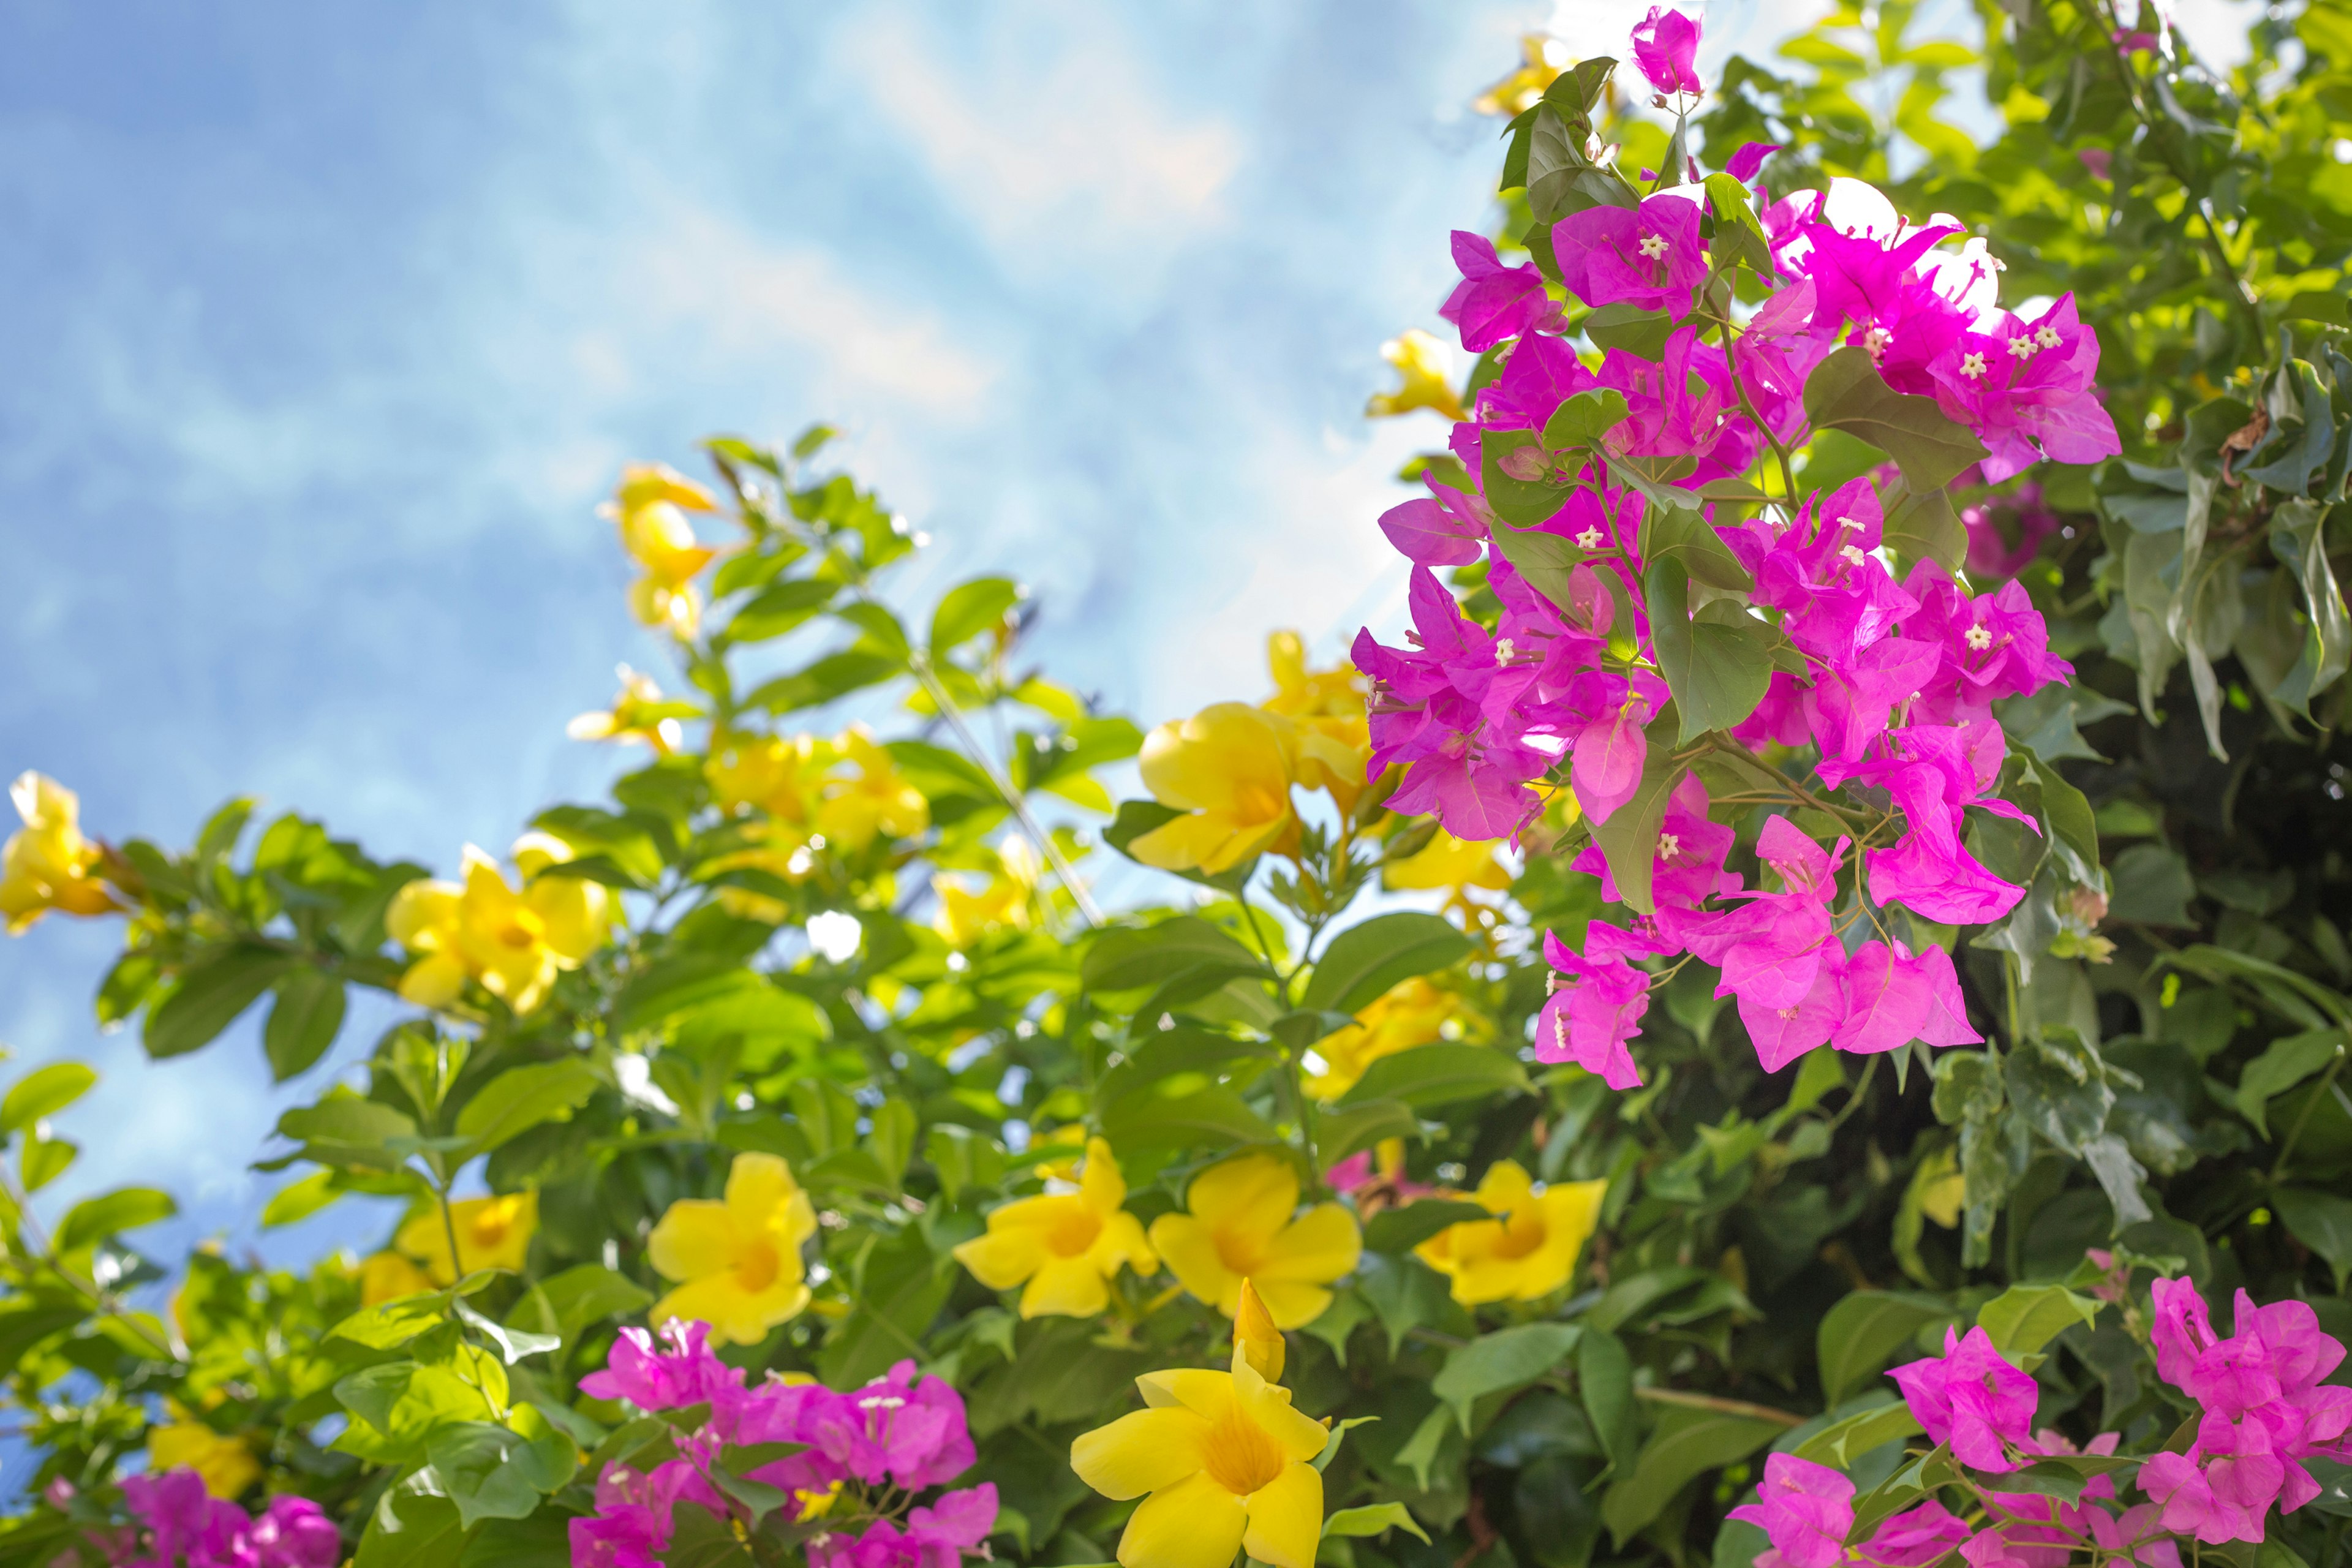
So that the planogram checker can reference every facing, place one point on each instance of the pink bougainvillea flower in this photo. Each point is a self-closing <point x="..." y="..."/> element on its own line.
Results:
<point x="1665" y="46"/>
<point x="1971" y="1398"/>
<point x="1429" y="535"/>
<point x="1598" y="1006"/>
<point x="1746" y="163"/>
<point x="2135" y="1535"/>
<point x="666" y="1372"/>
<point x="1806" y="1509"/>
<point x="1650" y="256"/>
<point x="1915" y="1537"/>
<point x="1492" y="301"/>
<point x="1893" y="998"/>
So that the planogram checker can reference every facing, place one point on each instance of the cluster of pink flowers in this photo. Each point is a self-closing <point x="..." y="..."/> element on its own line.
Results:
<point x="182" y="1525"/>
<point x="2265" y="1412"/>
<point x="1899" y="676"/>
<point x="868" y="1452"/>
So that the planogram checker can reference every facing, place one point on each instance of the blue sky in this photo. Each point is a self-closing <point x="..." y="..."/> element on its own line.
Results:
<point x="326" y="328"/>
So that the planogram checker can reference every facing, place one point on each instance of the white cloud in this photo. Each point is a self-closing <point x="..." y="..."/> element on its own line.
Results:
<point x="1068" y="139"/>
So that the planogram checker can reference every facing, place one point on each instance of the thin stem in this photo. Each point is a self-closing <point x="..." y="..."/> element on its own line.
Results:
<point x="2302" y="1118"/>
<point x="1052" y="852"/>
<point x="1721" y="1407"/>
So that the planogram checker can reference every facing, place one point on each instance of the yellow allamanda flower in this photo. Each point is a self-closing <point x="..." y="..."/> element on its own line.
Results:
<point x="1517" y="93"/>
<point x="48" y="864"/>
<point x="1410" y="1013"/>
<point x="1420" y="359"/>
<point x="493" y="1232"/>
<point x="1528" y="1250"/>
<point x="1241" y="1223"/>
<point x="1230" y="767"/>
<point x="650" y="507"/>
<point x="779" y="778"/>
<point x="1335" y="746"/>
<point x="640" y="716"/>
<point x="965" y="915"/>
<point x="737" y="1261"/>
<point x="513" y="941"/>
<point x="388" y="1276"/>
<point x="1450" y="863"/>
<point x="872" y="800"/>
<point x="225" y="1464"/>
<point x="1224" y="1464"/>
<point x="1063" y="1248"/>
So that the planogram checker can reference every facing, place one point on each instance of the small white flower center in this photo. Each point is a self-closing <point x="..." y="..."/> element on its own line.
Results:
<point x="1653" y="245"/>
<point x="1978" y="638"/>
<point x="1972" y="366"/>
<point x="1589" y="540"/>
<point x="2021" y="348"/>
<point x="1503" y="650"/>
<point x="1849" y="523"/>
<point x="1669" y="846"/>
<point x="1874" y="341"/>
<point x="2046" y="335"/>
<point x="1852" y="552"/>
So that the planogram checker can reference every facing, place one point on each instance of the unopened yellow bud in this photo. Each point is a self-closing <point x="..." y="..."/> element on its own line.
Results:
<point x="1255" y="1338"/>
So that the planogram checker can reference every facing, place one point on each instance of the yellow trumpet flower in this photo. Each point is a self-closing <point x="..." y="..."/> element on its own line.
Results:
<point x="1448" y="862"/>
<point x="388" y="1276"/>
<point x="1063" y="1245"/>
<point x="226" y="1464"/>
<point x="1335" y="740"/>
<point x="777" y="775"/>
<point x="1528" y="1250"/>
<point x="737" y="1261"/>
<point x="873" y="800"/>
<point x="48" y="864"/>
<point x="1223" y="1464"/>
<point x="1231" y="767"/>
<point x="1241" y="1224"/>
<point x="1517" y="93"/>
<point x="640" y="716"/>
<point x="1255" y="1338"/>
<point x="1420" y="359"/>
<point x="651" y="507"/>
<point x="1410" y="1013"/>
<point x="513" y="941"/>
<point x="965" y="916"/>
<point x="492" y="1233"/>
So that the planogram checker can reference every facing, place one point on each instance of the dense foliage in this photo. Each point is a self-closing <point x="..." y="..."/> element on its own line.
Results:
<point x="1528" y="1127"/>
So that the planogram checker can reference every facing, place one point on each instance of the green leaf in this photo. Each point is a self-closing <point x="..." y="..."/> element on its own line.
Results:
<point x="111" y="1214"/>
<point x="1846" y="393"/>
<point x="1401" y="1229"/>
<point x="1841" y="1442"/>
<point x="1605" y="1381"/>
<point x="1627" y="326"/>
<point x="1522" y="502"/>
<point x="972" y="608"/>
<point x="1210" y="1117"/>
<point x="834" y="676"/>
<point x="344" y="1130"/>
<point x="2024" y="1318"/>
<point x="1125" y="959"/>
<point x="1686" y="1445"/>
<point x="1364" y="961"/>
<point x="1629" y="838"/>
<point x="1162" y="1054"/>
<point x="1582" y="419"/>
<point x="1507" y="1358"/>
<point x="1863" y="1329"/>
<point x="1547" y="561"/>
<point x="42" y="1092"/>
<point x="521" y="1099"/>
<point x="24" y="1329"/>
<point x="210" y="995"/>
<point x="388" y="1325"/>
<point x="2284" y="1063"/>
<point x="1438" y="1074"/>
<point x="412" y="1525"/>
<point x="1681" y="534"/>
<point x="303" y="1021"/>
<point x="2322" y="1221"/>
<point x="1719" y="667"/>
<point x="498" y="1472"/>
<point x="588" y="1294"/>
<point x="2152" y="887"/>
<point x="780" y="607"/>
<point x="1356" y="1127"/>
<point x="897" y="1292"/>
<point x="300" y="1199"/>
<point x="1922" y="526"/>
<point x="1373" y="1519"/>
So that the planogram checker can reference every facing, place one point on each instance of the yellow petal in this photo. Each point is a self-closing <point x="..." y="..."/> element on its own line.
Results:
<point x="1255" y="1338"/>
<point x="644" y="483"/>
<point x="1189" y="1248"/>
<point x="1321" y="1245"/>
<point x="1142" y="1452"/>
<point x="1064" y="1288"/>
<point x="1208" y="1395"/>
<point x="1122" y="1241"/>
<point x="421" y="913"/>
<point x="1251" y="1196"/>
<point x="1292" y="1305"/>
<point x="1286" y="1517"/>
<point x="1504" y="1187"/>
<point x="434" y="980"/>
<point x="1194" y="1524"/>
<point x="743" y="1317"/>
<point x="1100" y="1184"/>
<point x="1004" y="1256"/>
<point x="758" y="1185"/>
<point x="695" y="1237"/>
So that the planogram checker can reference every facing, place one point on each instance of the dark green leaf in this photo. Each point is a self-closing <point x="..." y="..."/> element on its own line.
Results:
<point x="1686" y="1444"/>
<point x="1846" y="393"/>
<point x="303" y="1021"/>
<point x="1400" y="1230"/>
<point x="2321" y="1221"/>
<point x="1438" y="1074"/>
<point x="1505" y="1359"/>
<point x="1866" y="1327"/>
<point x="209" y="995"/>
<point x="1364" y="961"/>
